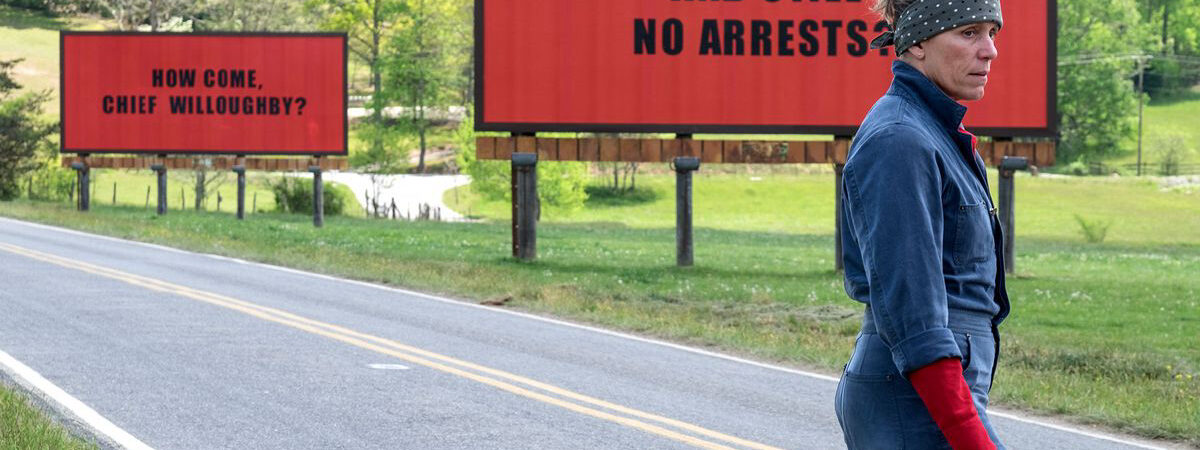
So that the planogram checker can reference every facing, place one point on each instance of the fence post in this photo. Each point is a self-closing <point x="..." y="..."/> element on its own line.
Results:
<point x="1008" y="166"/>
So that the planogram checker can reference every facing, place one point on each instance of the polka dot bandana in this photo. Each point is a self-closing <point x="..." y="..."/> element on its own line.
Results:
<point x="926" y="18"/>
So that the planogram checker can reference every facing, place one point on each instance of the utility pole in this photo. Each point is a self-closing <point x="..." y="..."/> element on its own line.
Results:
<point x="1141" y="100"/>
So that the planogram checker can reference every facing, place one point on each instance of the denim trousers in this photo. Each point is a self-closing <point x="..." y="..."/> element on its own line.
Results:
<point x="878" y="409"/>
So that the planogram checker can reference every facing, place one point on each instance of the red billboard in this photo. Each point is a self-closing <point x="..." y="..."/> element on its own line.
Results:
<point x="231" y="93"/>
<point x="744" y="66"/>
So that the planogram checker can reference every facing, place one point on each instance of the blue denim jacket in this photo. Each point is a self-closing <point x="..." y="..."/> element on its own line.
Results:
<point x="920" y="234"/>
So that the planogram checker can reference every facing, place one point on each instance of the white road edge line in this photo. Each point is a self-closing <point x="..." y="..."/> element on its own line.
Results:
<point x="84" y="413"/>
<point x="994" y="412"/>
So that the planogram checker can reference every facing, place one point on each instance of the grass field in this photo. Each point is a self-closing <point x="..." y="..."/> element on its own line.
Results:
<point x="24" y="427"/>
<point x="1179" y="115"/>
<point x="1106" y="333"/>
<point x="34" y="38"/>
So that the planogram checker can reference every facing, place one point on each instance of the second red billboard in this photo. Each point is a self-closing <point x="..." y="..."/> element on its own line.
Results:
<point x="761" y="66"/>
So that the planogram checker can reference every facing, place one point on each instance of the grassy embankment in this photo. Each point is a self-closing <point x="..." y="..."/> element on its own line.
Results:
<point x="1106" y="333"/>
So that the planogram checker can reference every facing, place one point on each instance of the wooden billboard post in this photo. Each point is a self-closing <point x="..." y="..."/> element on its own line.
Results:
<point x="526" y="207"/>
<point x="318" y="196"/>
<point x="82" y="173"/>
<point x="240" y="170"/>
<point x="684" y="166"/>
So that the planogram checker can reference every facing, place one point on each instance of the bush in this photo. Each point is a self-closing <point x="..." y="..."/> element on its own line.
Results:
<point x="50" y="182"/>
<point x="1093" y="231"/>
<point x="22" y="133"/>
<point x="294" y="195"/>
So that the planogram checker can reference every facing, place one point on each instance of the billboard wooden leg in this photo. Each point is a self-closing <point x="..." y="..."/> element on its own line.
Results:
<point x="318" y="197"/>
<point x="82" y="173"/>
<point x="240" y="170"/>
<point x="161" y="171"/>
<point x="684" y="166"/>
<point x="525" y="205"/>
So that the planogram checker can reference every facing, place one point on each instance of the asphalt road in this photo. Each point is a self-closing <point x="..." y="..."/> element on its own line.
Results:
<point x="183" y="350"/>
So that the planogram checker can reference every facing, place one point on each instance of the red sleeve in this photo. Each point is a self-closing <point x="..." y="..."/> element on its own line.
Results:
<point x="946" y="395"/>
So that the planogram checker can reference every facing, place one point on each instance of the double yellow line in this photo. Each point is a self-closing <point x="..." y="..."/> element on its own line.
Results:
<point x="583" y="404"/>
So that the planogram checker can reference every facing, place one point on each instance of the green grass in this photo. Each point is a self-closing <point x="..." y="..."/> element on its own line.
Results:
<point x="1139" y="210"/>
<point x="1176" y="114"/>
<point x="1099" y="332"/>
<point x="34" y="37"/>
<point x="24" y="427"/>
<point x="131" y="187"/>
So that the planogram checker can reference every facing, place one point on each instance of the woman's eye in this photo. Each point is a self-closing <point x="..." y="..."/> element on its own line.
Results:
<point x="969" y="33"/>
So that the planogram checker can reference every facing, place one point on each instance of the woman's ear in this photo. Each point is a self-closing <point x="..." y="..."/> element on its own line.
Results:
<point x="916" y="52"/>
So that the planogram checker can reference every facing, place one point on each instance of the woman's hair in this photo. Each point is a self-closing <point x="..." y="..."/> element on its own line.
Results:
<point x="891" y="9"/>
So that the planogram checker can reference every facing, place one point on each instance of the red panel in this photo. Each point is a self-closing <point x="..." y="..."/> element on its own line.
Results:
<point x="299" y="81"/>
<point x="573" y="64"/>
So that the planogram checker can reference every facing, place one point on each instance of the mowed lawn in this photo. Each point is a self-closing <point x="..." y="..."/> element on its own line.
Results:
<point x="34" y="38"/>
<point x="1106" y="333"/>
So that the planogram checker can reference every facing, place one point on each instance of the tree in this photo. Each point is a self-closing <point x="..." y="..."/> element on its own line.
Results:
<point x="560" y="184"/>
<point x="367" y="23"/>
<point x="1097" y="103"/>
<point x="254" y="15"/>
<point x="22" y="133"/>
<point x="152" y="14"/>
<point x="417" y="69"/>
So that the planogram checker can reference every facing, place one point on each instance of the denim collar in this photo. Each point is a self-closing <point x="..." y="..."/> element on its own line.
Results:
<point x="911" y="83"/>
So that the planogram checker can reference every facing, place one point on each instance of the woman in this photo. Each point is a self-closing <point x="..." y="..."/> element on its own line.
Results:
<point x="922" y="242"/>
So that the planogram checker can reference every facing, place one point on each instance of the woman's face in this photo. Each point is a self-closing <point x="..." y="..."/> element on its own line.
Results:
<point x="958" y="60"/>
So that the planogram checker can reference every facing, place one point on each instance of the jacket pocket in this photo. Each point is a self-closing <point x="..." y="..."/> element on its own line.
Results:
<point x="973" y="241"/>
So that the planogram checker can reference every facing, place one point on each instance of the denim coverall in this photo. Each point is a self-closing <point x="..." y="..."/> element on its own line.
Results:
<point x="922" y="250"/>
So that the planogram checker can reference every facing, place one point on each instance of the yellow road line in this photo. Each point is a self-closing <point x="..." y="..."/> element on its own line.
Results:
<point x="364" y="341"/>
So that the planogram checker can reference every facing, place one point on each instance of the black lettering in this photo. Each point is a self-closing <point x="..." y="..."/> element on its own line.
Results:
<point x="106" y="105"/>
<point x="178" y="104"/>
<point x="832" y="28"/>
<point x="260" y="106"/>
<point x="287" y="106"/>
<point x="248" y="105"/>
<point x="760" y="38"/>
<point x="672" y="36"/>
<point x="234" y="104"/>
<point x="221" y="105"/>
<point x="734" y="45"/>
<point x="187" y="78"/>
<point x="209" y="76"/>
<point x="250" y="81"/>
<point x="786" y="38"/>
<point x="643" y="36"/>
<point x="156" y="78"/>
<point x="855" y="29"/>
<point x="237" y="79"/>
<point x="274" y="106"/>
<point x="222" y="78"/>
<point x="710" y="38"/>
<point x="151" y="102"/>
<point x="810" y="46"/>
<point x="122" y="104"/>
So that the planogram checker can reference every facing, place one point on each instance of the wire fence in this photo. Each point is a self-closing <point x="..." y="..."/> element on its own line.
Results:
<point x="1148" y="168"/>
